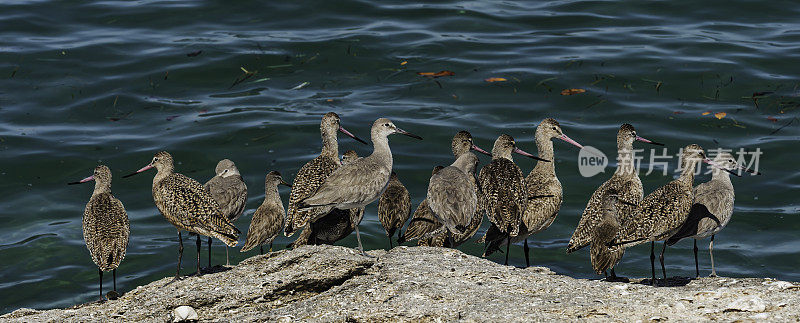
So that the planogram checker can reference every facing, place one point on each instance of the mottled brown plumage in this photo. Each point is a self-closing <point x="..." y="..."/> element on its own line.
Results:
<point x="268" y="220"/>
<point x="422" y="223"/>
<point x="394" y="207"/>
<point x="503" y="185"/>
<point x="311" y="176"/>
<point x="603" y="256"/>
<point x="229" y="190"/>
<point x="543" y="190"/>
<point x="106" y="229"/>
<point x="452" y="196"/>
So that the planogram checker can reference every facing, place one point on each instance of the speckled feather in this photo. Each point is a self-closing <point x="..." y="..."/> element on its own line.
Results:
<point x="452" y="196"/>
<point x="503" y="185"/>
<point x="106" y="230"/>
<point x="394" y="206"/>
<point x="268" y="220"/>
<point x="602" y="256"/>
<point x="309" y="178"/>
<point x="630" y="190"/>
<point x="230" y="193"/>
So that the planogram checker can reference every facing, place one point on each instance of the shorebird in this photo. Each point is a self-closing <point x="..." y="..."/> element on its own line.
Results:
<point x="358" y="183"/>
<point x="543" y="190"/>
<point x="452" y="196"/>
<point x="394" y="207"/>
<point x="712" y="207"/>
<point x="503" y="186"/>
<point x="311" y="176"/>
<point x="106" y="229"/>
<point x="187" y="206"/>
<point x="422" y="223"/>
<point x="602" y="256"/>
<point x="334" y="226"/>
<point x="662" y="212"/>
<point x="268" y="219"/>
<point x="624" y="182"/>
<point x="229" y="190"/>
<point x="462" y="143"/>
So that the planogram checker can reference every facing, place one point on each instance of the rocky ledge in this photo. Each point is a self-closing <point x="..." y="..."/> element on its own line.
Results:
<point x="328" y="283"/>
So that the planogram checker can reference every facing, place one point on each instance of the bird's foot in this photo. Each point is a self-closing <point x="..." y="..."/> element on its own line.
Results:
<point x="174" y="279"/>
<point x="112" y="295"/>
<point x="616" y="279"/>
<point x="713" y="275"/>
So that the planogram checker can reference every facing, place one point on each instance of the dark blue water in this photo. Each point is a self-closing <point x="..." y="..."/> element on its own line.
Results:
<point x="113" y="82"/>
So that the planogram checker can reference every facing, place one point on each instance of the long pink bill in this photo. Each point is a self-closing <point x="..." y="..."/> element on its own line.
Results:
<point x="88" y="179"/>
<point x="718" y="166"/>
<point x="478" y="149"/>
<point x="526" y="154"/>
<point x="569" y="140"/>
<point x="139" y="171"/>
<point x="647" y="141"/>
<point x="344" y="131"/>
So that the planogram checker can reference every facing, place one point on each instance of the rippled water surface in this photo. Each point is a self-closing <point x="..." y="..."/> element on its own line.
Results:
<point x="112" y="82"/>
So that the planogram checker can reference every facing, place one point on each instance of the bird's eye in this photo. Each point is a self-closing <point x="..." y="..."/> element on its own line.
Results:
<point x="554" y="128"/>
<point x="155" y="159"/>
<point x="386" y="125"/>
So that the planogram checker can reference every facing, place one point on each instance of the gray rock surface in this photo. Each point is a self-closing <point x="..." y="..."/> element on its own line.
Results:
<point x="329" y="283"/>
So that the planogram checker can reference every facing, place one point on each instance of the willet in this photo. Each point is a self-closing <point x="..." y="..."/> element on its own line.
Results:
<point x="311" y="176"/>
<point x="503" y="186"/>
<point x="662" y="212"/>
<point x="187" y="206"/>
<point x="394" y="207"/>
<point x="452" y="196"/>
<point x="624" y="182"/>
<point x="358" y="183"/>
<point x="712" y="207"/>
<point x="422" y="223"/>
<point x="106" y="229"/>
<point x="229" y="190"/>
<point x="268" y="219"/>
<point x="334" y="226"/>
<point x="603" y="256"/>
<point x="544" y="192"/>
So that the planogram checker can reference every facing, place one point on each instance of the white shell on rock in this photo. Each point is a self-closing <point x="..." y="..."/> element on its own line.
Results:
<point x="750" y="303"/>
<point x="184" y="314"/>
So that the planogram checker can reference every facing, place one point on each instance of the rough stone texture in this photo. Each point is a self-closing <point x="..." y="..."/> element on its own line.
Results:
<point x="327" y="283"/>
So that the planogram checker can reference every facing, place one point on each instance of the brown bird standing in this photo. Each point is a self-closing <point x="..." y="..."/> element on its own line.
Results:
<point x="268" y="220"/>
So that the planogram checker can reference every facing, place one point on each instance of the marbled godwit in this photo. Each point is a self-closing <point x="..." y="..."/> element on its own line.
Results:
<point x="334" y="226"/>
<point x="358" y="183"/>
<point x="106" y="229"/>
<point x="662" y="212"/>
<point x="268" y="219"/>
<point x="544" y="192"/>
<point x="452" y="196"/>
<point x="625" y="182"/>
<point x="394" y="207"/>
<point x="229" y="190"/>
<point x="503" y="185"/>
<point x="712" y="200"/>
<point x="311" y="176"/>
<point x="187" y="206"/>
<point x="422" y="223"/>
<point x="602" y="256"/>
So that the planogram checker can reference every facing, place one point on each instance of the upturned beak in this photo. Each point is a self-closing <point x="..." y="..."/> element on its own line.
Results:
<point x="647" y="141"/>
<point x="478" y="149"/>
<point x="718" y="166"/>
<point x="526" y="154"/>
<point x="569" y="140"/>
<point x="285" y="183"/>
<point x="344" y="131"/>
<point x="403" y="132"/>
<point x="88" y="179"/>
<point x="149" y="166"/>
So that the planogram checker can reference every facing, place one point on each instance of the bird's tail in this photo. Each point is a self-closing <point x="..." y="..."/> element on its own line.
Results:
<point x="227" y="233"/>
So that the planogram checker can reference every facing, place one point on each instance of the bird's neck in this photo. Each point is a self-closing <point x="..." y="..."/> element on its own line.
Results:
<point x="100" y="188"/>
<point x="545" y="147"/>
<point x="626" y="163"/>
<point x="330" y="145"/>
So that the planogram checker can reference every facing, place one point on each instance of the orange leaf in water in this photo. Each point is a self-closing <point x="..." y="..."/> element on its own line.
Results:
<point x="572" y="91"/>
<point x="403" y="63"/>
<point x="773" y="119"/>
<point x="706" y="113"/>
<point x="720" y="115"/>
<point x="495" y="79"/>
<point x="437" y="74"/>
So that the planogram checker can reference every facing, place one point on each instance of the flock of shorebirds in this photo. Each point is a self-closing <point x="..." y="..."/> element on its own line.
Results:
<point x="328" y="197"/>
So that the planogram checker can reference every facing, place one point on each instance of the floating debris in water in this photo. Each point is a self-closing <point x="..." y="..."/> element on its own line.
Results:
<point x="193" y="54"/>
<point x="437" y="74"/>
<point x="495" y="79"/>
<point x="572" y="91"/>
<point x="300" y="86"/>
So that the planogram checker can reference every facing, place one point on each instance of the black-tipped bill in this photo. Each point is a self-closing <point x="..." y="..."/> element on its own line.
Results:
<point x="344" y="131"/>
<point x="526" y="154"/>
<point x="648" y="141"/>
<point x="88" y="179"/>
<point x="403" y="132"/>
<point x="138" y="171"/>
<point x="478" y="149"/>
<point x="285" y="183"/>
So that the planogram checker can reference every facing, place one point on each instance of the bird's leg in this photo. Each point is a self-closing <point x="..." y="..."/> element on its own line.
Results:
<point x="270" y="247"/>
<point x="613" y="274"/>
<point x="198" y="255"/>
<point x="711" y="253"/>
<point x="100" y="271"/>
<point x="508" y="246"/>
<point x="390" y="243"/>
<point x="227" y="258"/>
<point x="527" y="250"/>
<point x="180" y="255"/>
<point x="653" y="263"/>
<point x="114" y="274"/>
<point x="605" y="274"/>
<point x="661" y="259"/>
<point x="209" y="251"/>
<point x="360" y="248"/>
<point x="261" y="249"/>
<point x="696" y="265"/>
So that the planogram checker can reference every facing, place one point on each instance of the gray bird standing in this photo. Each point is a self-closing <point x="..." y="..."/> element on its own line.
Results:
<point x="712" y="208"/>
<point x="422" y="223"/>
<point x="358" y="183"/>
<point x="187" y="206"/>
<point x="229" y="190"/>
<point x="268" y="220"/>
<point x="106" y="229"/>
